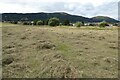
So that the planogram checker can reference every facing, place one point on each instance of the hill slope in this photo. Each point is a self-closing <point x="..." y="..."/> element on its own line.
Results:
<point x="43" y="16"/>
<point x="103" y="18"/>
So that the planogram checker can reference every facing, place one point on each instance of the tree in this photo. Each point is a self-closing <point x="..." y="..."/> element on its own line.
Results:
<point x="82" y="23"/>
<point x="14" y="22"/>
<point x="35" y="22"/>
<point x="25" y="23"/>
<point x="40" y="22"/>
<point x="53" y="21"/>
<point x="78" y="24"/>
<point x="66" y="22"/>
<point x="45" y="22"/>
<point x="115" y="24"/>
<point x="92" y="24"/>
<point x="103" y="24"/>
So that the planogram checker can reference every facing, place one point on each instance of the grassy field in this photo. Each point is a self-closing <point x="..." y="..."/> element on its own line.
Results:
<point x="59" y="52"/>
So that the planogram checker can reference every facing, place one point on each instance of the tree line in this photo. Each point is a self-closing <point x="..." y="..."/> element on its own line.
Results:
<point x="56" y="22"/>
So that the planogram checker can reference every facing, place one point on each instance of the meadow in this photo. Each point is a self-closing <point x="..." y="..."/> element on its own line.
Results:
<point x="59" y="52"/>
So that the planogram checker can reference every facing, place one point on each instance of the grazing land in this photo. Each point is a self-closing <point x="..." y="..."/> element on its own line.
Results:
<point x="59" y="52"/>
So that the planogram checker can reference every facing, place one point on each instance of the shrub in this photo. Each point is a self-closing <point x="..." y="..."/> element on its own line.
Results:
<point x="35" y="22"/>
<point x="66" y="22"/>
<point x="78" y="24"/>
<point x="103" y="24"/>
<point x="82" y="23"/>
<point x="45" y="22"/>
<point x="40" y="22"/>
<point x="14" y="22"/>
<point x="92" y="24"/>
<point x="30" y="23"/>
<point x="115" y="24"/>
<point x="53" y="22"/>
<point x="60" y="24"/>
<point x="25" y="23"/>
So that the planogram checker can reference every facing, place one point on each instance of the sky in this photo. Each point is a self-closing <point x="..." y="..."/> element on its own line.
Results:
<point x="86" y="8"/>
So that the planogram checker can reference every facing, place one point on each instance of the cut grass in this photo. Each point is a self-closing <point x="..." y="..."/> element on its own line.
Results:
<point x="62" y="53"/>
<point x="63" y="47"/>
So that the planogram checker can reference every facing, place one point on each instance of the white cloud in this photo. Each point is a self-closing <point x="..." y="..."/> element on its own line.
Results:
<point x="86" y="8"/>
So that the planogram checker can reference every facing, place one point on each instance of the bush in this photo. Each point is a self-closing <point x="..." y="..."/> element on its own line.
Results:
<point x="103" y="24"/>
<point x="115" y="24"/>
<point x="25" y="23"/>
<point x="78" y="24"/>
<point x="14" y="22"/>
<point x="53" y="22"/>
<point x="45" y="22"/>
<point x="30" y="23"/>
<point x="35" y="22"/>
<point x="40" y="22"/>
<point x="60" y="24"/>
<point x="92" y="24"/>
<point x="82" y="23"/>
<point x="66" y="22"/>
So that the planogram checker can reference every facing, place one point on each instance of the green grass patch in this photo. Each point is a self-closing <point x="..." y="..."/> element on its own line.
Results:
<point x="63" y="47"/>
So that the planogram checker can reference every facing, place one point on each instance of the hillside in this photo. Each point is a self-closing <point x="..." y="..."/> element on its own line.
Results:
<point x="43" y="16"/>
<point x="103" y="18"/>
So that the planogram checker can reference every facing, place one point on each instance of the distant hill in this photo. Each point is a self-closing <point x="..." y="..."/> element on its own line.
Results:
<point x="104" y="18"/>
<point x="61" y="15"/>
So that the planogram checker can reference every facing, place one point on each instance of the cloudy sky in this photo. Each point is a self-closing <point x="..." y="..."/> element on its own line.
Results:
<point x="87" y="8"/>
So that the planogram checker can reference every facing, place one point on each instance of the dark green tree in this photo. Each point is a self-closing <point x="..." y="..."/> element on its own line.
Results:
<point x="115" y="24"/>
<point x="82" y="23"/>
<point x="53" y="21"/>
<point x="66" y="22"/>
<point x="103" y="24"/>
<point x="25" y="23"/>
<point x="45" y="22"/>
<point x="35" y="22"/>
<point x="78" y="24"/>
<point x="40" y="22"/>
<point x="14" y="22"/>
